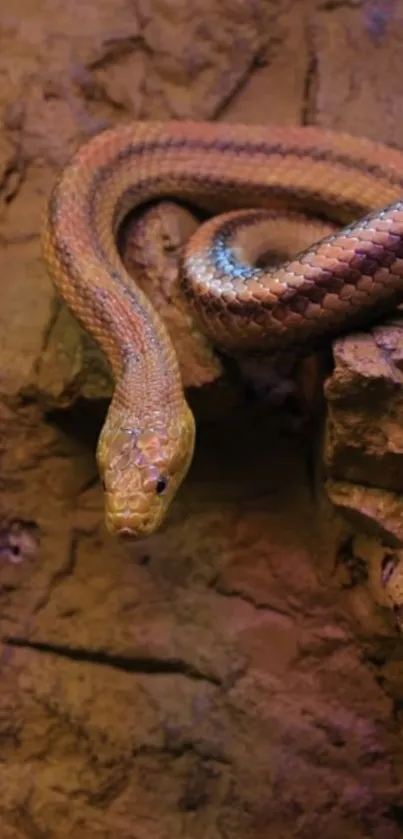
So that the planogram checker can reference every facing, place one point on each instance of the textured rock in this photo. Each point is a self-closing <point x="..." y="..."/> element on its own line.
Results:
<point x="238" y="674"/>
<point x="364" y="439"/>
<point x="365" y="409"/>
<point x="356" y="48"/>
<point x="148" y="675"/>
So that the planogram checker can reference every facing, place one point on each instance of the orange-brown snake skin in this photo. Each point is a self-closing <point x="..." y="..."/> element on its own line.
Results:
<point x="346" y="280"/>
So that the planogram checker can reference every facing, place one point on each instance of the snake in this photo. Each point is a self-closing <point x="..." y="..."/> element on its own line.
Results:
<point x="240" y="178"/>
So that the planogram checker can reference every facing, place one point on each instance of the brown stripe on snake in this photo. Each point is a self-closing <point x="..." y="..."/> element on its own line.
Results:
<point x="250" y="149"/>
<point x="125" y="352"/>
<point x="151" y="186"/>
<point x="146" y="445"/>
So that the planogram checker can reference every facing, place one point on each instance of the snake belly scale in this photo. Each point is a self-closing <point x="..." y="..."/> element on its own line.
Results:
<point x="347" y="279"/>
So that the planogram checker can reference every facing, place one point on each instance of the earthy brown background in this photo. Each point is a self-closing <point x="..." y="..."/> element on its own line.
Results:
<point x="239" y="675"/>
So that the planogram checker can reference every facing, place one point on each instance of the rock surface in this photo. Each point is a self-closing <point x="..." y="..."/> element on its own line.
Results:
<point x="238" y="674"/>
<point x="364" y="441"/>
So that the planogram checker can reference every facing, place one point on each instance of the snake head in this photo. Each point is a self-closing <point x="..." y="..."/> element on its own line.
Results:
<point x="141" y="470"/>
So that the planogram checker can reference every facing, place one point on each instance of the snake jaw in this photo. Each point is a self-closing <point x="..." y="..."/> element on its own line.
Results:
<point x="134" y="519"/>
<point x="141" y="473"/>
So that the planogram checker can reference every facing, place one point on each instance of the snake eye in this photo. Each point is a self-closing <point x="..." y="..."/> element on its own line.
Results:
<point x="162" y="484"/>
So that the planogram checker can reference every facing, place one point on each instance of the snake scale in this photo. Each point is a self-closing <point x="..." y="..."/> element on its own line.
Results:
<point x="240" y="176"/>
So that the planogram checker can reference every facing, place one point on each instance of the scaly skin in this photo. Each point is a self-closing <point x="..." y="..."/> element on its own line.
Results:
<point x="349" y="278"/>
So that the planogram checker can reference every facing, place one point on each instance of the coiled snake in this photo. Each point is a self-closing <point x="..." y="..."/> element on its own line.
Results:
<point x="247" y="173"/>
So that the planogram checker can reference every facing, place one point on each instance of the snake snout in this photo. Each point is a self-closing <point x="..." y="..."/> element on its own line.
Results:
<point x="132" y="525"/>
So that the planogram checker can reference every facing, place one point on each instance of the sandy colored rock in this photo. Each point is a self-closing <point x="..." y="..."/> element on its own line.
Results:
<point x="364" y="441"/>
<point x="356" y="50"/>
<point x="370" y="510"/>
<point x="205" y="657"/>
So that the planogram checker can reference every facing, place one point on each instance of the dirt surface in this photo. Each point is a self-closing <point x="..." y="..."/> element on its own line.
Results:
<point x="239" y="674"/>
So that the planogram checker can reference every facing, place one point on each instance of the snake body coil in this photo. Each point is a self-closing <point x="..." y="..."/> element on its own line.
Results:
<point x="347" y="279"/>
